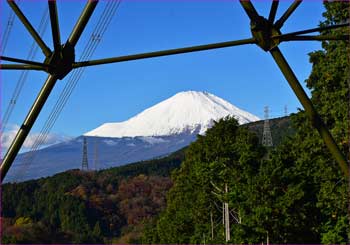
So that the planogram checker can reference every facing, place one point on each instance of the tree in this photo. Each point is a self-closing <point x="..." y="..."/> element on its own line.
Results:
<point x="227" y="154"/>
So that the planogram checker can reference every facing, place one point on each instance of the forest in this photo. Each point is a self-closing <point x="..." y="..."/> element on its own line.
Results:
<point x="293" y="192"/>
<point x="114" y="205"/>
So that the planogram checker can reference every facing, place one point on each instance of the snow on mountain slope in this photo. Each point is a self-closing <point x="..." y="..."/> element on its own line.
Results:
<point x="184" y="112"/>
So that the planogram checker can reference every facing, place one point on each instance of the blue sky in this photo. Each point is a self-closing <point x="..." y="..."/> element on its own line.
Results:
<point x="245" y="76"/>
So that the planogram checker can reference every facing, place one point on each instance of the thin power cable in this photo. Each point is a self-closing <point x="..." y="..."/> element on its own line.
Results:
<point x="73" y="79"/>
<point x="89" y="49"/>
<point x="24" y="74"/>
<point x="7" y="31"/>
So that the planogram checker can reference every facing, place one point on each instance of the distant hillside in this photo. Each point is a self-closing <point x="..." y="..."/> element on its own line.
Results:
<point x="280" y="128"/>
<point x="156" y="167"/>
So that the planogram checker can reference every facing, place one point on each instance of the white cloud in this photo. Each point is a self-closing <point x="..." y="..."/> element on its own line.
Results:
<point x="152" y="140"/>
<point x="110" y="142"/>
<point x="10" y="132"/>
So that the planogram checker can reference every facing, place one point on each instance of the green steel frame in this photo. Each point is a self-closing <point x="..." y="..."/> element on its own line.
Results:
<point x="60" y="59"/>
<point x="265" y="33"/>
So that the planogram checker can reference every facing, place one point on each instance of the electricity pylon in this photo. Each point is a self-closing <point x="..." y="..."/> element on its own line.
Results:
<point x="267" y="137"/>
<point x="85" y="163"/>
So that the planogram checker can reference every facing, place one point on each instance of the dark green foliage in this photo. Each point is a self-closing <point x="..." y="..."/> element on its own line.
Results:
<point x="227" y="154"/>
<point x="160" y="167"/>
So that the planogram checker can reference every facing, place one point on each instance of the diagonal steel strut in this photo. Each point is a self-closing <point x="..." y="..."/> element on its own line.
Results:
<point x="309" y="109"/>
<point x="279" y="23"/>
<point x="54" y="25"/>
<point x="29" y="27"/>
<point x="27" y="125"/>
<point x="29" y="62"/>
<point x="292" y="79"/>
<point x="273" y="10"/>
<point x="82" y="22"/>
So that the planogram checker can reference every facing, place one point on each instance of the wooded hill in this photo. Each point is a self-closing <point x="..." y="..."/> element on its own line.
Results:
<point x="110" y="205"/>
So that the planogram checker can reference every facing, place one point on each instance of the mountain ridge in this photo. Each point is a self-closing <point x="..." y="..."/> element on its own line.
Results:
<point x="187" y="111"/>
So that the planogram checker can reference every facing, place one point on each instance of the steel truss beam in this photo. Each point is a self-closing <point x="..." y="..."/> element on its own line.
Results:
<point x="319" y="29"/>
<point x="315" y="119"/>
<point x="273" y="10"/>
<point x="54" y="25"/>
<point x="27" y="125"/>
<point x="313" y="38"/>
<point x="21" y="67"/>
<point x="279" y="23"/>
<point x="164" y="53"/>
<point x="29" y="62"/>
<point x="82" y="22"/>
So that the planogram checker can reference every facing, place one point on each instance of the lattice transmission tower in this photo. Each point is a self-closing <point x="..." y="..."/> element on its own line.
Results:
<point x="96" y="165"/>
<point x="285" y="110"/>
<point x="85" y="164"/>
<point x="267" y="138"/>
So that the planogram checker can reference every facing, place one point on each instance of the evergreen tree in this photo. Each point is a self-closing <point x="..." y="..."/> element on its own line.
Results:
<point x="227" y="154"/>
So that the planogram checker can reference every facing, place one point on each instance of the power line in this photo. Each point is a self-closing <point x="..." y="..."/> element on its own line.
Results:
<point x="24" y="75"/>
<point x="7" y="32"/>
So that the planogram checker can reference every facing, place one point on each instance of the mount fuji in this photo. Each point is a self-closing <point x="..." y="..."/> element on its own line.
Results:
<point x="185" y="112"/>
<point x="155" y="132"/>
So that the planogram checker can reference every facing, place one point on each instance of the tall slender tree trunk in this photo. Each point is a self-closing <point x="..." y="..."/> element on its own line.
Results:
<point x="227" y="217"/>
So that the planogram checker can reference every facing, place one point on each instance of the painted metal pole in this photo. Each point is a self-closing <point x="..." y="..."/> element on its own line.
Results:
<point x="249" y="9"/>
<point x="307" y="31"/>
<point x="164" y="53"/>
<point x="21" y="67"/>
<point x="26" y="126"/>
<point x="314" y="38"/>
<point x="55" y="28"/>
<point x="279" y="23"/>
<point x="309" y="109"/>
<point x="30" y="28"/>
<point x="82" y="22"/>
<point x="273" y="10"/>
<point x="29" y="62"/>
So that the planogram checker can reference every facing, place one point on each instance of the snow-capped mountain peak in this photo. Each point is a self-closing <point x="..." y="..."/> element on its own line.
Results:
<point x="189" y="111"/>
